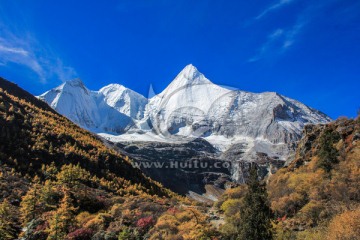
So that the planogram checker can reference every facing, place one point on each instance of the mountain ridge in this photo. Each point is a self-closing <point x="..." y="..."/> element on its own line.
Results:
<point x="189" y="81"/>
<point x="243" y="126"/>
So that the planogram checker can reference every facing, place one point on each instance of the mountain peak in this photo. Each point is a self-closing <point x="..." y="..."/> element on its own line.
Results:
<point x="75" y="82"/>
<point x="73" y="85"/>
<point x="189" y="76"/>
<point x="190" y="72"/>
<point x="114" y="87"/>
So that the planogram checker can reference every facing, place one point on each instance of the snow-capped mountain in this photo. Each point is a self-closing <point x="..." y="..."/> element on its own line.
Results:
<point x="241" y="125"/>
<point x="123" y="100"/>
<point x="193" y="106"/>
<point x="112" y="109"/>
<point x="184" y="106"/>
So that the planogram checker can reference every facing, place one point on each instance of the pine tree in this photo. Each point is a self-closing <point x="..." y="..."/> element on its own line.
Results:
<point x="49" y="171"/>
<point x="327" y="153"/>
<point x="49" y="196"/>
<point x="69" y="175"/>
<point x="8" y="228"/>
<point x="63" y="218"/>
<point x="30" y="205"/>
<point x="255" y="213"/>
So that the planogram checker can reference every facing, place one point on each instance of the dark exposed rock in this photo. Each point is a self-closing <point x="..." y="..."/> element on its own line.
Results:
<point x="356" y="137"/>
<point x="182" y="167"/>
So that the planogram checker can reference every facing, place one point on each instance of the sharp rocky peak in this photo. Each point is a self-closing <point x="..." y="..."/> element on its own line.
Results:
<point x="189" y="76"/>
<point x="190" y="72"/>
<point x="73" y="85"/>
<point x="77" y="82"/>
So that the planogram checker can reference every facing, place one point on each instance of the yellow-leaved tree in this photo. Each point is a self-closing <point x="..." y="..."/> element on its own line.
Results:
<point x="64" y="217"/>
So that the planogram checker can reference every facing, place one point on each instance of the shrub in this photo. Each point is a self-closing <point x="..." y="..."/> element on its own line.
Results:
<point x="327" y="152"/>
<point x="345" y="226"/>
<point x="145" y="222"/>
<point x="128" y="234"/>
<point x="80" y="234"/>
<point x="231" y="207"/>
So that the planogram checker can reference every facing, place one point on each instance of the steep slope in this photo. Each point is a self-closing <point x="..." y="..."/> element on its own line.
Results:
<point x="58" y="181"/>
<point x="174" y="165"/>
<point x="317" y="196"/>
<point x="33" y="134"/>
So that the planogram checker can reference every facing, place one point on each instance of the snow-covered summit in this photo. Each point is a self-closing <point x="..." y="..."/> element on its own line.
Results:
<point x="74" y="82"/>
<point x="188" y="77"/>
<point x="75" y="101"/>
<point x="124" y="100"/>
<point x="190" y="73"/>
<point x="114" y="87"/>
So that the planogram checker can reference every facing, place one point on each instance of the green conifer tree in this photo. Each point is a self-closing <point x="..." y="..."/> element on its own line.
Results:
<point x="255" y="213"/>
<point x="327" y="153"/>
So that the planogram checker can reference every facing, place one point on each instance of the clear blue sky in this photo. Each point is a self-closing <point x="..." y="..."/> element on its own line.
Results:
<point x="306" y="50"/>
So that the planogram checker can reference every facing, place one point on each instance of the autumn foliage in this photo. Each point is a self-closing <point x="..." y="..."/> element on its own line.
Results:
<point x="319" y="191"/>
<point x="58" y="181"/>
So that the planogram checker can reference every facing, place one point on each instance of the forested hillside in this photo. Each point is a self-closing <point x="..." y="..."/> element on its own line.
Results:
<point x="33" y="135"/>
<point x="58" y="181"/>
<point x="316" y="197"/>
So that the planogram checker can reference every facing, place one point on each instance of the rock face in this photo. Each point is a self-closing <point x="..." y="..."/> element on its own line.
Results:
<point x="229" y="124"/>
<point x="185" y="168"/>
<point x="348" y="131"/>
